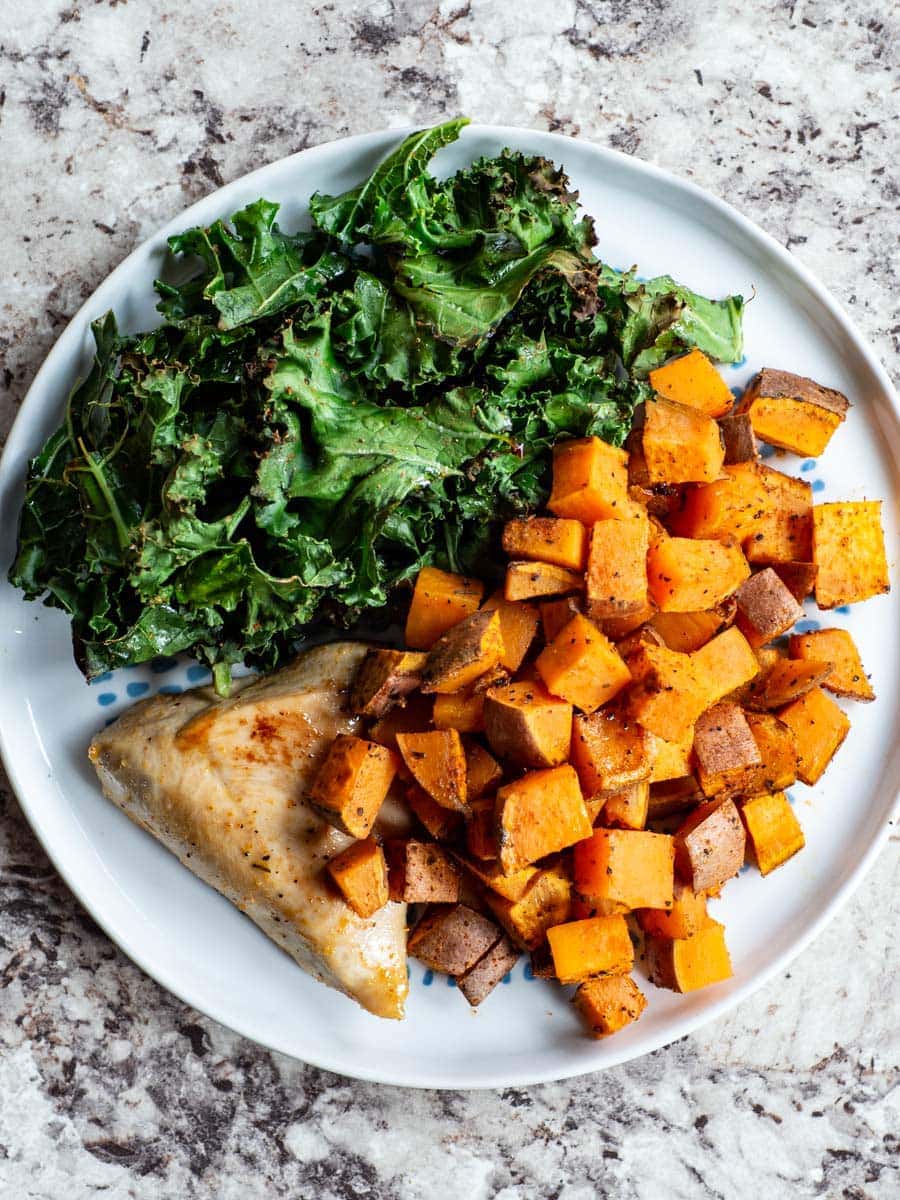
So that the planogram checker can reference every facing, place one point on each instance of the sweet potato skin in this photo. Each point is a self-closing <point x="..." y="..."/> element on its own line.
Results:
<point x="526" y="726"/>
<point x="765" y="607"/>
<point x="385" y="678"/>
<point x="539" y="814"/>
<point x="452" y="940"/>
<point x="727" y="758"/>
<point x="798" y="577"/>
<point x="440" y="600"/>
<point x="479" y="981"/>
<point x="848" y="549"/>
<point x="420" y="873"/>
<point x="793" y="412"/>
<point x="738" y="439"/>
<point x="473" y="647"/>
<point x="710" y="845"/>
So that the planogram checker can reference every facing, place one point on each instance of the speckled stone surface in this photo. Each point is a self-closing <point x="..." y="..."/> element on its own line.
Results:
<point x="114" y="114"/>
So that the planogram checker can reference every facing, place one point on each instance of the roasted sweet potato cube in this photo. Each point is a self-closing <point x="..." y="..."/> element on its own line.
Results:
<point x="610" y="751"/>
<point x="440" y="601"/>
<point x="590" y="480"/>
<point x="691" y="630"/>
<point x="765" y="608"/>
<point x="481" y="834"/>
<point x="671" y="760"/>
<point x="527" y="726"/>
<point x="617" y="628"/>
<point x="616" y="579"/>
<point x="595" y="946"/>
<point x="725" y="664"/>
<point x="773" y="832"/>
<point x="420" y="873"/>
<point x="628" y="808"/>
<point x="627" y="868"/>
<point x="488" y="872"/>
<point x="682" y="920"/>
<point x="546" y="902"/>
<point x="689" y="575"/>
<point x="483" y="772"/>
<point x="793" y="412"/>
<point x="360" y="872"/>
<point x="385" y="678"/>
<point x="441" y="823"/>
<point x="452" y="940"/>
<point x="667" y="695"/>
<point x="798" y="577"/>
<point x="848" y="549"/>
<point x="351" y="784"/>
<point x="686" y="964"/>
<point x="518" y="625"/>
<point x="480" y="980"/>
<point x="693" y="380"/>
<point x="581" y="665"/>
<point x="412" y="717"/>
<point x="538" y="814"/>
<point x="777" y="749"/>
<point x="819" y="727"/>
<point x="709" y="845"/>
<point x="847" y="676"/>
<point x="646" y="635"/>
<point x="737" y="436"/>
<point x="459" y="657"/>
<point x="782" y="529"/>
<point x="728" y="507"/>
<point x="556" y="614"/>
<point x="437" y="762"/>
<point x="557" y="540"/>
<point x="533" y="580"/>
<point x="681" y="444"/>
<point x="609" y="1003"/>
<point x="671" y="796"/>
<point x="785" y="681"/>
<point x="462" y="711"/>
<point x="727" y="758"/>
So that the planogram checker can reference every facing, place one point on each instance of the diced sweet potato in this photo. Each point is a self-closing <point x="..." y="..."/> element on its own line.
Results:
<point x="556" y="614"/>
<point x="557" y="540"/>
<point x="360" y="872"/>
<point x="412" y="717"/>
<point x="819" y="727"/>
<point x="420" y="872"/>
<point x="672" y="796"/>
<point x="616" y="579"/>
<point x="686" y="964"/>
<point x="610" y="751"/>
<point x="765" y="608"/>
<point x="777" y="749"/>
<point x="385" y="678"/>
<point x="847" y="676"/>
<point x="773" y="832"/>
<point x="462" y="711"/>
<point x="693" y="380"/>
<point x="538" y="814"/>
<point x="628" y="808"/>
<point x="727" y="758"/>
<point x="798" y="577"/>
<point x="527" y="726"/>
<point x="709" y="845"/>
<point x="793" y="412"/>
<point x="441" y="823"/>
<point x="681" y="444"/>
<point x="737" y="436"/>
<point x="590" y="480"/>
<point x="625" y="868"/>
<point x="481" y="835"/>
<point x="785" y="681"/>
<point x="452" y="940"/>
<point x="682" y="920"/>
<point x="691" y="630"/>
<point x="483" y="772"/>
<point x="671" y="760"/>
<point x="546" y="902"/>
<point x="518" y="625"/>
<point x="617" y="628"/>
<point x="437" y="761"/>
<point x="351" y="784"/>
<point x="531" y="581"/>
<point x="728" y="507"/>
<point x="646" y="635"/>
<point x="688" y="575"/>
<point x="782" y="529"/>
<point x="471" y="648"/>
<point x="510" y="887"/>
<point x="595" y="946"/>
<point x="582" y="666"/>
<point x="609" y="1003"/>
<point x="848" y="549"/>
<point x="725" y="664"/>
<point x="667" y="695"/>
<point x="479" y="981"/>
<point x="440" y="600"/>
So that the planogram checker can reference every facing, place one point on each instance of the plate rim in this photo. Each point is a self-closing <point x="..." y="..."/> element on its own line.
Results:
<point x="440" y="1078"/>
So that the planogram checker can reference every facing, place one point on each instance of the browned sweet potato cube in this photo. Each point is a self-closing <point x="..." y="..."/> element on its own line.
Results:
<point x="777" y="748"/>
<point x="765" y="607"/>
<point x="785" y="681"/>
<point x="361" y="874"/>
<point x="527" y="726"/>
<point x="479" y="981"/>
<point x="610" y="751"/>
<point x="726" y="755"/>
<point x="709" y="846"/>
<point x="671" y="796"/>
<point x="385" y="678"/>
<point x="465" y="652"/>
<point x="737" y="434"/>
<point x="440" y="822"/>
<point x="421" y="873"/>
<point x="798" y="577"/>
<point x="453" y="939"/>
<point x="609" y="1003"/>
<point x="351" y="784"/>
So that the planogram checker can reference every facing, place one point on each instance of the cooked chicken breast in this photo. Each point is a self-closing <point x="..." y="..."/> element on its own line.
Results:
<point x="221" y="783"/>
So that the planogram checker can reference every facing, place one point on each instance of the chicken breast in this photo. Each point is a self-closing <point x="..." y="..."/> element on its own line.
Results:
<point x="221" y="783"/>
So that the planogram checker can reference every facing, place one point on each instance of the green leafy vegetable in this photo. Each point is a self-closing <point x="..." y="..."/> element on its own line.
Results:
<point x="320" y="414"/>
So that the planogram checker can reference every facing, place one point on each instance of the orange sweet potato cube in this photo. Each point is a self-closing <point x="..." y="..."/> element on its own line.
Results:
<point x="351" y="784"/>
<point x="616" y="579"/>
<point x="582" y="666"/>
<point x="681" y="444"/>
<point x="848" y="549"/>
<point x="538" y="814"/>
<point x="693" y="380"/>
<point x="667" y="695"/>
<point x="555" y="614"/>
<point x="518" y="625"/>
<point x="686" y="915"/>
<point x="626" y="868"/>
<point x="360" y="872"/>
<point x="686" y="964"/>
<point x="472" y="648"/>
<point x="609" y="1003"/>
<point x="594" y="946"/>
<point x="728" y="507"/>
<point x="483" y="772"/>
<point x="629" y="807"/>
<point x="610" y="751"/>
<point x="819" y="727"/>
<point x="437" y="761"/>
<point x="462" y="711"/>
<point x="558" y="540"/>
<point x="773" y="832"/>
<point x="527" y="726"/>
<point x="689" y="575"/>
<point x="847" y="676"/>
<point x="725" y="664"/>
<point x="590" y="480"/>
<point x="440" y="600"/>
<point x="792" y="411"/>
<point x="546" y="901"/>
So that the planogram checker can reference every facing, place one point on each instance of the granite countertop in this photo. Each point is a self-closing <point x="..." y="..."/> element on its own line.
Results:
<point x="114" y="115"/>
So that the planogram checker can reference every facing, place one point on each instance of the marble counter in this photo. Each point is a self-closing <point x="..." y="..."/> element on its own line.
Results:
<point x="113" y="116"/>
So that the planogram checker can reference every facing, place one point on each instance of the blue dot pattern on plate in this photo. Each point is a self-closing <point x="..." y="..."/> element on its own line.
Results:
<point x="843" y="609"/>
<point x="106" y="698"/>
<point x="809" y="465"/>
<point x="428" y="978"/>
<point x="104" y="678"/>
<point x="197" y="673"/>
<point x="809" y="625"/>
<point x="818" y="485"/>
<point x="137" y="689"/>
<point x="171" y="689"/>
<point x="766" y="451"/>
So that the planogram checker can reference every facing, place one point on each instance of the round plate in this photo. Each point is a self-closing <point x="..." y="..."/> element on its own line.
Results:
<point x="200" y="947"/>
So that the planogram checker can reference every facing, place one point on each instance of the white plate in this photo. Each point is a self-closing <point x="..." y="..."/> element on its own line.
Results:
<point x="198" y="946"/>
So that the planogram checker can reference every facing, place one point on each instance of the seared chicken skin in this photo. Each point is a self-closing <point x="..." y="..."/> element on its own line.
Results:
<point x="221" y="783"/>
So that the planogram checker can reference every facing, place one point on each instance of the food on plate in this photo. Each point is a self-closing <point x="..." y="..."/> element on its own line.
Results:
<point x="223" y="784"/>
<point x="793" y="412"/>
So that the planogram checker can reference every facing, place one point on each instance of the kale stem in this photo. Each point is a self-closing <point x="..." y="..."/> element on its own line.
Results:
<point x="115" y="515"/>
